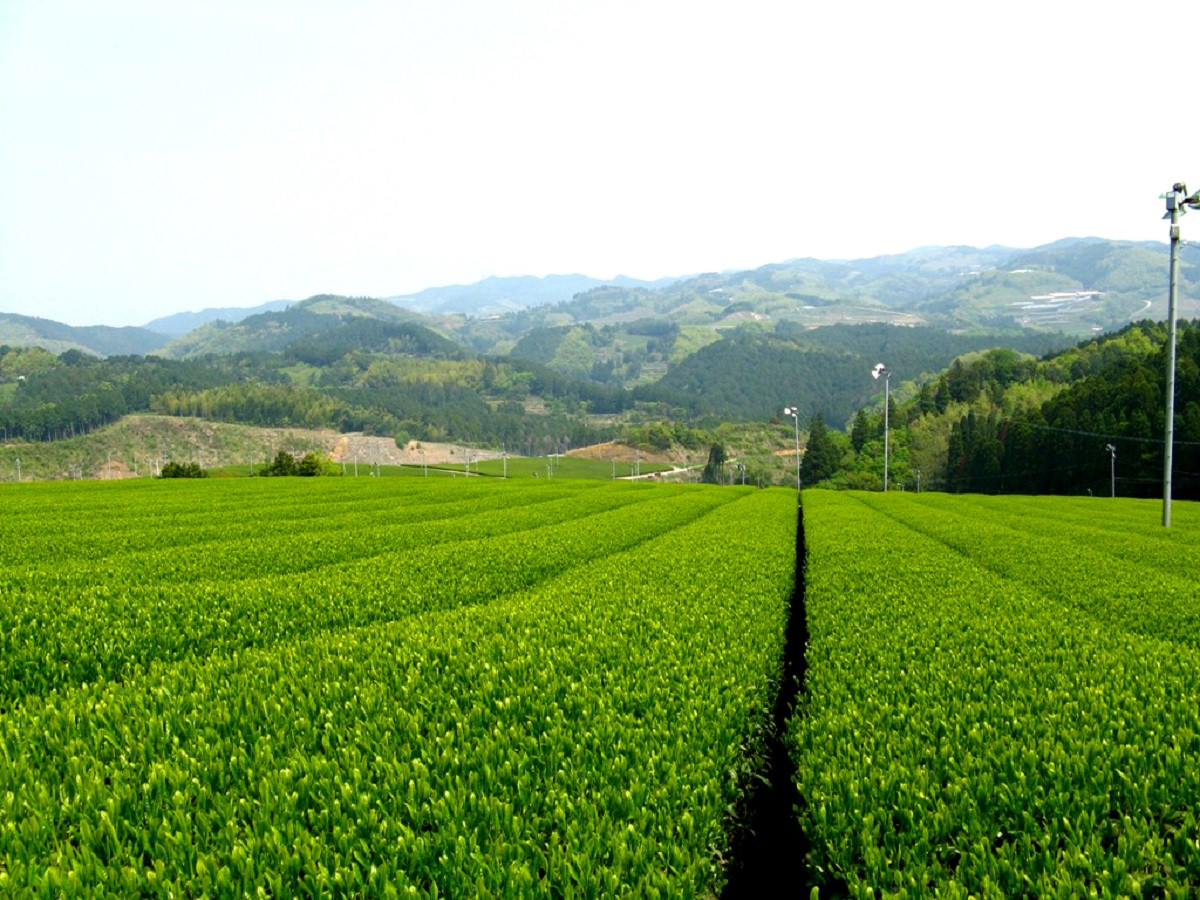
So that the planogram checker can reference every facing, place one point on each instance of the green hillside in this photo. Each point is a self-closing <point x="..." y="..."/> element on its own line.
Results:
<point x="1003" y="422"/>
<point x="98" y="340"/>
<point x="275" y="330"/>
<point x="1078" y="286"/>
<point x="750" y="375"/>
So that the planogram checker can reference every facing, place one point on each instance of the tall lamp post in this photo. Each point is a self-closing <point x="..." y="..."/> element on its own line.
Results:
<point x="1178" y="202"/>
<point x="881" y="369"/>
<point x="1112" y="449"/>
<point x="794" y="412"/>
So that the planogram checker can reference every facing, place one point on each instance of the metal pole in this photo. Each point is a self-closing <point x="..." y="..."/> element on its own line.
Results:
<point x="1173" y="200"/>
<point x="794" y="412"/>
<point x="887" y="402"/>
<point x="796" y="422"/>
<point x="1112" y="449"/>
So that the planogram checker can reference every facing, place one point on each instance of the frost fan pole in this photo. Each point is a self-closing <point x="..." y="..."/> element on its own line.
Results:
<point x="1178" y="202"/>
<point x="883" y="370"/>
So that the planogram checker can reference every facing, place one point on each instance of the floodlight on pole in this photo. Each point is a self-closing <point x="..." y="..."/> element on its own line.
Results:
<point x="881" y="369"/>
<point x="1112" y="449"/>
<point x="794" y="412"/>
<point x="1178" y="202"/>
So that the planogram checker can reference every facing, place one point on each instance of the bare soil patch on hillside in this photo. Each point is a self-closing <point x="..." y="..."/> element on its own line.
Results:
<point x="383" y="450"/>
<point x="624" y="453"/>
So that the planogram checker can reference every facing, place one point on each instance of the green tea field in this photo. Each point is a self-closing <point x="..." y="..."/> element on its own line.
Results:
<point x="1003" y="696"/>
<point x="383" y="687"/>
<point x="472" y="687"/>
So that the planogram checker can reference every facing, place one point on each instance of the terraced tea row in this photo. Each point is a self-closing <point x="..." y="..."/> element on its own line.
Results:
<point x="1128" y="577"/>
<point x="980" y="719"/>
<point x="574" y="719"/>
<point x="117" y="625"/>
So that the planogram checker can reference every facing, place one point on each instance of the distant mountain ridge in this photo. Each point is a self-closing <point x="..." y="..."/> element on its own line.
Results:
<point x="275" y="330"/>
<point x="181" y="323"/>
<point x="98" y="340"/>
<point x="497" y="295"/>
<point x="1079" y="286"/>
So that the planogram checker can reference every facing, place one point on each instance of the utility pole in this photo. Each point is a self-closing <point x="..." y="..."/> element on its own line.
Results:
<point x="1178" y="202"/>
<point x="1112" y="449"/>
<point x="18" y="470"/>
<point x="881" y="369"/>
<point x="794" y="412"/>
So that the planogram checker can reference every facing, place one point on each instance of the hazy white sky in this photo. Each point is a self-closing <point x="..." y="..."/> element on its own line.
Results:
<point x="164" y="155"/>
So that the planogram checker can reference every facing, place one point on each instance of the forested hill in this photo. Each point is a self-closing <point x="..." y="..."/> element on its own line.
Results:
<point x="752" y="375"/>
<point x="384" y="378"/>
<point x="98" y="340"/>
<point x="278" y="329"/>
<point x="1113" y="395"/>
<point x="1001" y="422"/>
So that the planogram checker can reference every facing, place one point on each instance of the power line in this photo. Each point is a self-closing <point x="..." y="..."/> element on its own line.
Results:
<point x="1097" y="434"/>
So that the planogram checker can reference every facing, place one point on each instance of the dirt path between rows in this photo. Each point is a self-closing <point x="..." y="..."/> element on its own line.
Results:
<point x="771" y="849"/>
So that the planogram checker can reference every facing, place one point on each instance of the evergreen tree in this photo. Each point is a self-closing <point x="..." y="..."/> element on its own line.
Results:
<point x="714" y="469"/>
<point x="860" y="431"/>
<point x="821" y="456"/>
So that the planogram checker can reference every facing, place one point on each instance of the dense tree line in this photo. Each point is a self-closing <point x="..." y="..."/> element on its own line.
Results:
<point x="1063" y="445"/>
<point x="255" y="403"/>
<point x="827" y="370"/>
<point x="362" y="334"/>
<point x="77" y="393"/>
<point x="1003" y="422"/>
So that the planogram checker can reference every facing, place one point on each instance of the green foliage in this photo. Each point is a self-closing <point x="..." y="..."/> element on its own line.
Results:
<point x="823" y="371"/>
<point x="308" y="465"/>
<point x="663" y="436"/>
<point x="714" y="469"/>
<point x="1001" y="696"/>
<point x="75" y="393"/>
<point x="94" y="340"/>
<point x="257" y="404"/>
<point x="999" y="421"/>
<point x="822" y="456"/>
<point x="175" y="469"/>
